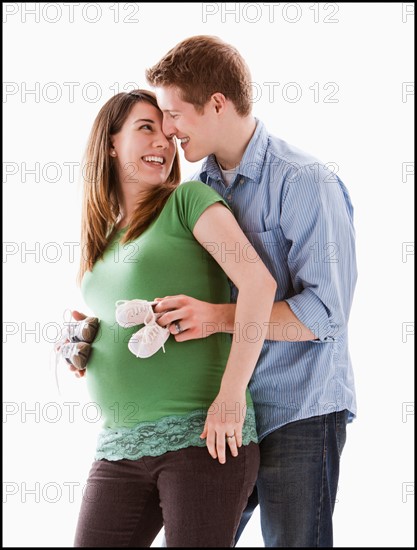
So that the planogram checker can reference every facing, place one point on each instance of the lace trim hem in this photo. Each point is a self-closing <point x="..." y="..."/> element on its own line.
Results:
<point x="170" y="433"/>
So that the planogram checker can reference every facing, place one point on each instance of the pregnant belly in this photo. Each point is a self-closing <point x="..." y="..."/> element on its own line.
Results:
<point x="128" y="390"/>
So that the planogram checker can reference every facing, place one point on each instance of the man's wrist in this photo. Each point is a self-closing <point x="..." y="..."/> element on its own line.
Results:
<point x="221" y="319"/>
<point x="224" y="317"/>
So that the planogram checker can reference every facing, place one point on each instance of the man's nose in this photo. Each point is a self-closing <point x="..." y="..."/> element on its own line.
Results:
<point x="168" y="128"/>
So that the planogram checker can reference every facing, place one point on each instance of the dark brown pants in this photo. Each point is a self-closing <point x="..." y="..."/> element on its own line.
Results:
<point x="198" y="500"/>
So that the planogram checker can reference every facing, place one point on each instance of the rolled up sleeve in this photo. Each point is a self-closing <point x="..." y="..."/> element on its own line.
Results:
<point x="317" y="222"/>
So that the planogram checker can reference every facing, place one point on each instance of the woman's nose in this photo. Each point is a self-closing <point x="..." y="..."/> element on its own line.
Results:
<point x="161" y="140"/>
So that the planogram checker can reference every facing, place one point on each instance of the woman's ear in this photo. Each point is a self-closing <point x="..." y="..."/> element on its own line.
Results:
<point x="112" y="150"/>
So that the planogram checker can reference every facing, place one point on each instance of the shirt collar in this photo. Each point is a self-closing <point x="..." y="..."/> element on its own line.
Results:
<point x="252" y="161"/>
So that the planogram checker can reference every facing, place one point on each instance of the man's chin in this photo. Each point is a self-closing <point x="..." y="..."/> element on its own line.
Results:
<point x="193" y="157"/>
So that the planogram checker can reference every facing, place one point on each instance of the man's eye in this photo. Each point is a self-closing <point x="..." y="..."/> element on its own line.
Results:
<point x="174" y="116"/>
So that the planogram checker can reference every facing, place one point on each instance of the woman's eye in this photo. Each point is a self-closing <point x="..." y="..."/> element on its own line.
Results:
<point x="146" y="127"/>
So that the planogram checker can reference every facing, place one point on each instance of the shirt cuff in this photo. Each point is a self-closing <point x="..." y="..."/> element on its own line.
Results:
<point x="310" y="310"/>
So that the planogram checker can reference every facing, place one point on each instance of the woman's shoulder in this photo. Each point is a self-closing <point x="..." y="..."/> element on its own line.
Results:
<point x="195" y="188"/>
<point x="192" y="198"/>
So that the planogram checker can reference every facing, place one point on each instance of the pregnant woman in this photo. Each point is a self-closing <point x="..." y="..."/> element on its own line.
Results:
<point x="178" y="445"/>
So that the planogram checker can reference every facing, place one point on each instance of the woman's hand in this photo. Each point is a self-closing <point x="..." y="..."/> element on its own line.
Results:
<point x="224" y="424"/>
<point x="78" y="317"/>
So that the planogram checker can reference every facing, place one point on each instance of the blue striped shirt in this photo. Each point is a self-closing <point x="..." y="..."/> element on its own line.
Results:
<point x="299" y="217"/>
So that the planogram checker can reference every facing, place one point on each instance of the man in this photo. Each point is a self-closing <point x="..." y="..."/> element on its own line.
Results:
<point x="299" y="217"/>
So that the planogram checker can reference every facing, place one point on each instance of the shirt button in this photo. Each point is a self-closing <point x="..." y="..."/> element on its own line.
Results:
<point x="229" y="197"/>
<point x="242" y="180"/>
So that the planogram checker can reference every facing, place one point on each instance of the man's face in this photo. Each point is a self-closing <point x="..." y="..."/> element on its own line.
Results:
<point x="198" y="133"/>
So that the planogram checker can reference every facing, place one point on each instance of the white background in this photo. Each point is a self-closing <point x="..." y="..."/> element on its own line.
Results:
<point x="363" y="53"/>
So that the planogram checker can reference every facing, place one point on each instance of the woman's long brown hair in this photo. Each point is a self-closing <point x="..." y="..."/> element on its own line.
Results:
<point x="101" y="210"/>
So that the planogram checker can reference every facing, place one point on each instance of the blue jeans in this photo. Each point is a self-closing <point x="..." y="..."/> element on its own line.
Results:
<point x="297" y="482"/>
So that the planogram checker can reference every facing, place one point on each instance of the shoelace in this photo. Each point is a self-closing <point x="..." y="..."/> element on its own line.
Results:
<point x="150" y="333"/>
<point x="56" y="350"/>
<point x="134" y="309"/>
<point x="70" y="351"/>
<point x="151" y="330"/>
<point x="65" y="336"/>
<point x="137" y="309"/>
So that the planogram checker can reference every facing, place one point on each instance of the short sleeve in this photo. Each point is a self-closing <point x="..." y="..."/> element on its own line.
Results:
<point x="192" y="199"/>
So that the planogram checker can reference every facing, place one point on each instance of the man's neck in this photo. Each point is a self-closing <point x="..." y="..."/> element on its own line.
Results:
<point x="237" y="138"/>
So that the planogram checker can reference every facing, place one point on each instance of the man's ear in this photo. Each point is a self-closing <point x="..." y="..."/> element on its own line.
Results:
<point x="219" y="102"/>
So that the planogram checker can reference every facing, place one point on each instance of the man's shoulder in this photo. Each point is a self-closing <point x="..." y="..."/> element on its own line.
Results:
<point x="280" y="150"/>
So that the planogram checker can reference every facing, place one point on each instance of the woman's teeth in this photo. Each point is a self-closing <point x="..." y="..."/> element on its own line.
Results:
<point x="160" y="160"/>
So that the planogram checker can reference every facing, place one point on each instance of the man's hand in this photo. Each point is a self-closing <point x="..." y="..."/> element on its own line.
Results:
<point x="187" y="318"/>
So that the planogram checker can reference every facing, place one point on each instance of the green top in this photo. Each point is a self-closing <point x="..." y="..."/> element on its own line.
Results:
<point x="158" y="404"/>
